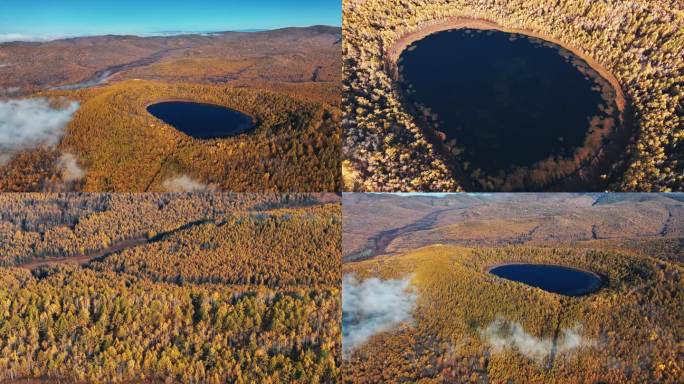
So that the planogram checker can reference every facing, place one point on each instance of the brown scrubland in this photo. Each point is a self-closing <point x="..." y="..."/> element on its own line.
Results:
<point x="289" y="55"/>
<point x="504" y="219"/>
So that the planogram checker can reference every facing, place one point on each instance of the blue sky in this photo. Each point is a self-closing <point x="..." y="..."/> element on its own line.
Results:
<point x="58" y="18"/>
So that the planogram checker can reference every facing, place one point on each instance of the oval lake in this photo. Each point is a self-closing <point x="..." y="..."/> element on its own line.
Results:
<point x="501" y="101"/>
<point x="201" y="121"/>
<point x="552" y="278"/>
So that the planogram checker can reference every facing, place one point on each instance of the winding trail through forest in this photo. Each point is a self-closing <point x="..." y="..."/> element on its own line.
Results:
<point x="117" y="247"/>
<point x="102" y="76"/>
<point x="86" y="257"/>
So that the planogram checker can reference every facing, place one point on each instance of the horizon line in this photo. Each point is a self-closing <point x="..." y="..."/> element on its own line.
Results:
<point x="45" y="38"/>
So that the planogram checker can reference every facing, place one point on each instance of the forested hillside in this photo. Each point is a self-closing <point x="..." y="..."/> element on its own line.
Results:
<point x="425" y="304"/>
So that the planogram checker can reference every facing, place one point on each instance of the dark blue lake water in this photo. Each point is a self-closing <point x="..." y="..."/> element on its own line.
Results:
<point x="505" y="99"/>
<point x="552" y="278"/>
<point x="201" y="121"/>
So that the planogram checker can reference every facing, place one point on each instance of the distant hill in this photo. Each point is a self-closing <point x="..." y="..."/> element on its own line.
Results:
<point x="282" y="55"/>
<point x="388" y="224"/>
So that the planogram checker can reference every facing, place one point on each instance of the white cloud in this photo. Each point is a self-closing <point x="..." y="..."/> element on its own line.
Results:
<point x="11" y="37"/>
<point x="30" y="123"/>
<point x="502" y="335"/>
<point x="173" y="33"/>
<point x="69" y="173"/>
<point x="69" y="168"/>
<point x="11" y="91"/>
<point x="8" y="37"/>
<point x="185" y="184"/>
<point x="45" y="37"/>
<point x="373" y="306"/>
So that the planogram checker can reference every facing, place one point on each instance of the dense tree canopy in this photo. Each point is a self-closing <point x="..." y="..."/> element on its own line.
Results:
<point x="221" y="288"/>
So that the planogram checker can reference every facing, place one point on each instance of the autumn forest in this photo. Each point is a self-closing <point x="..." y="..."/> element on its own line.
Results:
<point x="421" y="302"/>
<point x="342" y="191"/>
<point x="170" y="287"/>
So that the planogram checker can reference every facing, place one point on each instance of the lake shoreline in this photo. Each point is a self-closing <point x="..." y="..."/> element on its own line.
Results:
<point x="84" y="258"/>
